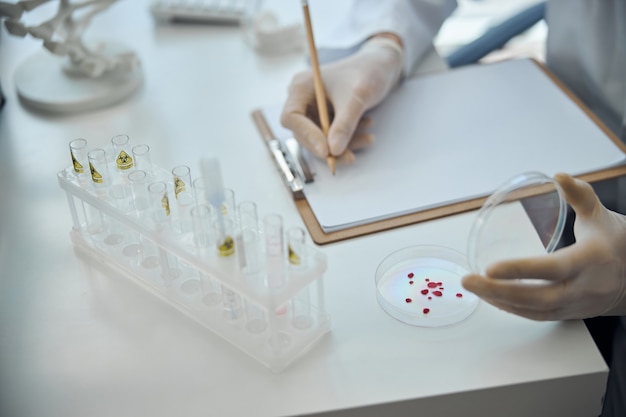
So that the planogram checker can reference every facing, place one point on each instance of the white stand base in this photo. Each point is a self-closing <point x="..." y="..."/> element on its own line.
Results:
<point x="43" y="83"/>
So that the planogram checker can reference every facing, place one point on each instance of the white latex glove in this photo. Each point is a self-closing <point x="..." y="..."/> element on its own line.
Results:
<point x="586" y="279"/>
<point x="352" y="85"/>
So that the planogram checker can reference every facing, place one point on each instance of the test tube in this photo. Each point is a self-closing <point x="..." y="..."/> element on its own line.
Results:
<point x="225" y="230"/>
<point x="229" y="208"/>
<point x="296" y="247"/>
<point x="141" y="154"/>
<point x="211" y="293"/>
<point x="201" y="220"/>
<point x="116" y="232"/>
<point x="182" y="180"/>
<point x="101" y="180"/>
<point x="169" y="267"/>
<point x="232" y="304"/>
<point x="274" y="250"/>
<point x="256" y="322"/>
<point x="150" y="257"/>
<point x="184" y="198"/>
<point x="200" y="191"/>
<point x="250" y="237"/>
<point x="80" y="169"/>
<point x="122" y="148"/>
<point x="160" y="203"/>
<point x="139" y="190"/>
<point x="134" y="247"/>
<point x="301" y="309"/>
<point x="161" y="215"/>
<point x="298" y="259"/>
<point x="80" y="161"/>
<point x="99" y="168"/>
<point x="94" y="219"/>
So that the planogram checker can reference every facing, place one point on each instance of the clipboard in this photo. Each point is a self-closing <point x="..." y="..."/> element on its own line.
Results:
<point x="321" y="237"/>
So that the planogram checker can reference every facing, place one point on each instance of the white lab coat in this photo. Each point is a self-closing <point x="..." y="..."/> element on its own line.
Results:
<point x="586" y="46"/>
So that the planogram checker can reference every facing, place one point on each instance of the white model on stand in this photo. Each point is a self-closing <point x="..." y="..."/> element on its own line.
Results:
<point x="71" y="75"/>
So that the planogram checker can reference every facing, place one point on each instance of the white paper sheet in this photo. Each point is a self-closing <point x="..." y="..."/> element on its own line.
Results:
<point x="452" y="136"/>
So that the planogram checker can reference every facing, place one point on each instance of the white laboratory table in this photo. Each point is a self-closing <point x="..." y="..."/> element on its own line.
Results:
<point x="78" y="340"/>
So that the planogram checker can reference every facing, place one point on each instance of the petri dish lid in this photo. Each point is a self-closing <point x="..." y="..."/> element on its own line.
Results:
<point x="495" y="236"/>
<point x="421" y="286"/>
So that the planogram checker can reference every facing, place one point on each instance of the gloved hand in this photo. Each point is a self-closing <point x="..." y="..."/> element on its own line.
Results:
<point x="586" y="279"/>
<point x="352" y="85"/>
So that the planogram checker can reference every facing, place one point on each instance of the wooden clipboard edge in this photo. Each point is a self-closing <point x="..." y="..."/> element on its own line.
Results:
<point x="321" y="238"/>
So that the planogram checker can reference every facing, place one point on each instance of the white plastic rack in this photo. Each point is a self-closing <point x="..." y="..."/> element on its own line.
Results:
<point x="266" y="296"/>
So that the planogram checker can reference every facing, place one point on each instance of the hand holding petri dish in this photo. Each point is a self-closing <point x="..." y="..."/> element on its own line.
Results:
<point x="421" y="285"/>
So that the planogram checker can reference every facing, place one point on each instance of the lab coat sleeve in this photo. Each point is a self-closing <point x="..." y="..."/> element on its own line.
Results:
<point x="416" y="22"/>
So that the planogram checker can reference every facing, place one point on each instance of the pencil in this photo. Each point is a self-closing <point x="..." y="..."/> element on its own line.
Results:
<point x="320" y="95"/>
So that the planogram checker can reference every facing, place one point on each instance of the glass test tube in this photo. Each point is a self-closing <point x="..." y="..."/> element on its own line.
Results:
<point x="122" y="148"/>
<point x="134" y="247"/>
<point x="211" y="293"/>
<point x="224" y="232"/>
<point x="184" y="198"/>
<point x="160" y="203"/>
<point x="100" y="179"/>
<point x="150" y="256"/>
<point x="99" y="168"/>
<point x="274" y="250"/>
<point x="116" y="232"/>
<point x="250" y="249"/>
<point x="250" y="237"/>
<point x="181" y="175"/>
<point x="200" y="191"/>
<point x="296" y="247"/>
<point x="141" y="155"/>
<point x="298" y="259"/>
<point x="161" y="215"/>
<point x="256" y="322"/>
<point x="201" y="221"/>
<point x="232" y="304"/>
<point x="80" y="168"/>
<point x="228" y="206"/>
<point x="139" y="190"/>
<point x="80" y="161"/>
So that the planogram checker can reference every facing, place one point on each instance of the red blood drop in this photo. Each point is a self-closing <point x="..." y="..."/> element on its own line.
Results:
<point x="430" y="298"/>
<point x="426" y="279"/>
<point x="432" y="284"/>
<point x="410" y="275"/>
<point x="408" y="300"/>
<point x="439" y="284"/>
<point x="437" y="293"/>
<point x="411" y="282"/>
<point x="458" y="294"/>
<point x="426" y="310"/>
<point x="424" y="291"/>
<point x="441" y="288"/>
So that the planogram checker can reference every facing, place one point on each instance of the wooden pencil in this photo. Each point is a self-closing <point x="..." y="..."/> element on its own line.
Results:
<point x="320" y="95"/>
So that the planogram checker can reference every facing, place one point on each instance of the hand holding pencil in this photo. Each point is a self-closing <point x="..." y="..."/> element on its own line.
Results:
<point x="325" y="105"/>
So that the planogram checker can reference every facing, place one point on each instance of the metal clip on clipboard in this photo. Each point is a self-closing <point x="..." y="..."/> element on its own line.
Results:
<point x="287" y="155"/>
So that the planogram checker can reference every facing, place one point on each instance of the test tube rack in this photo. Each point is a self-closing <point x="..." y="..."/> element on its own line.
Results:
<point x="273" y="324"/>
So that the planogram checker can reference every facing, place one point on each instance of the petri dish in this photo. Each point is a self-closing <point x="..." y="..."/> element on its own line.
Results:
<point x="494" y="236"/>
<point x="421" y="285"/>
